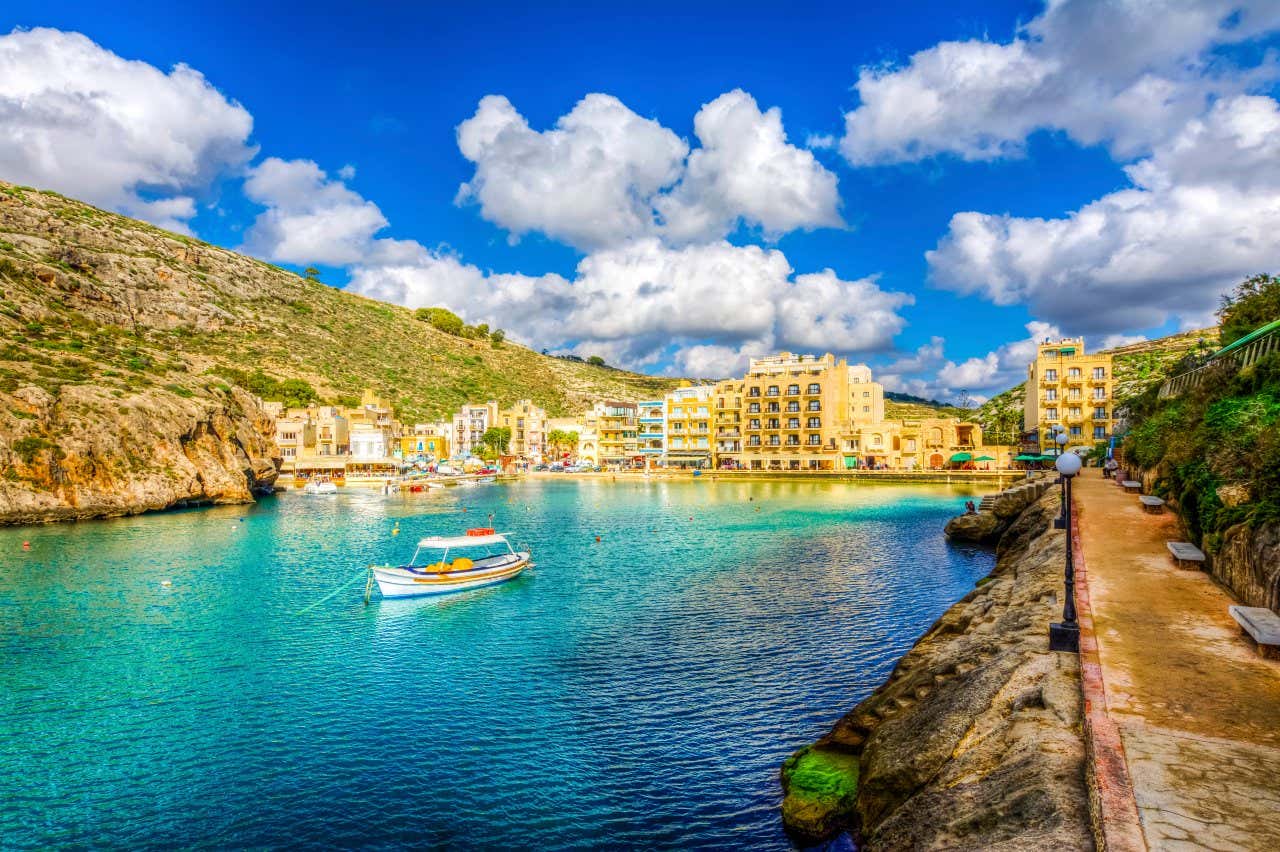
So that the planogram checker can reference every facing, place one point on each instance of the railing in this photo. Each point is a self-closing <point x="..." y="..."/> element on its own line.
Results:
<point x="1248" y="350"/>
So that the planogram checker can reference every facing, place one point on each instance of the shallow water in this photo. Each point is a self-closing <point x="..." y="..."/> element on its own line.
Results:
<point x="637" y="691"/>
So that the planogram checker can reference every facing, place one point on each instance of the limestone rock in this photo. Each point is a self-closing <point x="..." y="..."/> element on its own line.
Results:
<point x="974" y="741"/>
<point x="981" y="527"/>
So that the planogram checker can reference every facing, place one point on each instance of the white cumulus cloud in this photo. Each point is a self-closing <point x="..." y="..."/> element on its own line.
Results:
<point x="605" y="175"/>
<point x="1202" y="214"/>
<point x="310" y="218"/>
<point x="122" y="134"/>
<point x="1128" y="74"/>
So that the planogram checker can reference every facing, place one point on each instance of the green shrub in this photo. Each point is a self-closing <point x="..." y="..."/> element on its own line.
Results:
<point x="179" y="390"/>
<point x="442" y="319"/>
<point x="28" y="448"/>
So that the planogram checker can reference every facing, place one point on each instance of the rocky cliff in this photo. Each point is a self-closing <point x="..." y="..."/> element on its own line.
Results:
<point x="974" y="742"/>
<point x="84" y="453"/>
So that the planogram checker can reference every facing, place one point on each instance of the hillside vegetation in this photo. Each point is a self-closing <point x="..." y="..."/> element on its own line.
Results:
<point x="91" y="297"/>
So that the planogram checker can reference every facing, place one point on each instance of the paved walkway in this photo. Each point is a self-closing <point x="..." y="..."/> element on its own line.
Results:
<point x="1198" y="711"/>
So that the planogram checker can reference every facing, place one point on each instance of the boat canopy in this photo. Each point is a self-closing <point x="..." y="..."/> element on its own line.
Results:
<point x="439" y="542"/>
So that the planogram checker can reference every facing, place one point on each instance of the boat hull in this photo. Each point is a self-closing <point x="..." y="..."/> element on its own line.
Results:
<point x="399" y="583"/>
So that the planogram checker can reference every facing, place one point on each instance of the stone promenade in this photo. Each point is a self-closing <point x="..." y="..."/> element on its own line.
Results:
<point x="1197" y="710"/>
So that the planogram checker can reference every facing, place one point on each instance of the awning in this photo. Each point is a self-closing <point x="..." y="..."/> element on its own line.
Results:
<point x="1026" y="458"/>
<point x="962" y="457"/>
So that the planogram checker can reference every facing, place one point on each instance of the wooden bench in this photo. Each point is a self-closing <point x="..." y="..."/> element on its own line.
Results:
<point x="1184" y="551"/>
<point x="1262" y="626"/>
<point x="1132" y="486"/>
<point x="1151" y="504"/>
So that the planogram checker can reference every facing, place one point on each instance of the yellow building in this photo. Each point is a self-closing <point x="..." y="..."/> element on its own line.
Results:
<point x="866" y="397"/>
<point x="794" y="409"/>
<point x="1069" y="388"/>
<point x="528" y="425"/>
<point x="927" y="444"/>
<point x="426" y="441"/>
<point x="727" y="420"/>
<point x="688" y="433"/>
<point x="619" y="443"/>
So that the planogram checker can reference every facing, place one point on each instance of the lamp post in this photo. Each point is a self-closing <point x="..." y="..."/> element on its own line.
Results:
<point x="1065" y="635"/>
<point x="1060" y="522"/>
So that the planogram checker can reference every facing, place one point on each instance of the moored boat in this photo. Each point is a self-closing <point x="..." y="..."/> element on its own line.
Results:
<point x="320" y="486"/>
<point x="480" y="558"/>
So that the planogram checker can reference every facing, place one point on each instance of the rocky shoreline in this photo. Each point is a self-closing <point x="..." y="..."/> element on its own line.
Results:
<point x="975" y="740"/>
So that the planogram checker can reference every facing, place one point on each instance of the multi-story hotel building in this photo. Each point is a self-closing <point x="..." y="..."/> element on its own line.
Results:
<point x="727" y="420"/>
<point x="793" y="410"/>
<point x="426" y="441"/>
<point x="1067" y="387"/>
<point x="528" y="425"/>
<point x="469" y="426"/>
<point x="688" y="426"/>
<point x="650" y="430"/>
<point x="619" y="443"/>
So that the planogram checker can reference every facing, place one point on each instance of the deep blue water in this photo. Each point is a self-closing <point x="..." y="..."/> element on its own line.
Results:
<point x="640" y="691"/>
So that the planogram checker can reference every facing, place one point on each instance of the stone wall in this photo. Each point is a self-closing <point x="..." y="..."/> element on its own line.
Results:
<point x="974" y="742"/>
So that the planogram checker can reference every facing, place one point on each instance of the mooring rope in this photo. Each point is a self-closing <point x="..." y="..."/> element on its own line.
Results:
<point x="358" y="575"/>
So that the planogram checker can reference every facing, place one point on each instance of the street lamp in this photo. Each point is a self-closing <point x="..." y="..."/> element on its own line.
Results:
<point x="1065" y="636"/>
<point x="1060" y="522"/>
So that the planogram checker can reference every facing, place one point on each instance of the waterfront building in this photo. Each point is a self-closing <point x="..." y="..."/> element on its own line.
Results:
<point x="469" y="426"/>
<point x="866" y="396"/>
<point x="932" y="443"/>
<point x="651" y="429"/>
<point x="618" y="439"/>
<point x="727" y="420"/>
<point x="1070" y="388"/>
<point x="688" y="426"/>
<point x="528" y="425"/>
<point x="426" y="441"/>
<point x="589" y="436"/>
<point x="290" y="437"/>
<point x="567" y="425"/>
<point x="794" y="410"/>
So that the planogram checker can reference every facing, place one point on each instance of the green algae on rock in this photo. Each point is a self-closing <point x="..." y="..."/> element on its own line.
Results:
<point x="820" y="787"/>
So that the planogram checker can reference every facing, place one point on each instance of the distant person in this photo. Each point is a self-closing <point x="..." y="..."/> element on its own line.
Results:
<point x="969" y="508"/>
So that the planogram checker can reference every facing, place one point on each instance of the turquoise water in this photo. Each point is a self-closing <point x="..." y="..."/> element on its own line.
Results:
<point x="639" y="691"/>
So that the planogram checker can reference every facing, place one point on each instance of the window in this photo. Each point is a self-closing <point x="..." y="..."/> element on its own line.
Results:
<point x="772" y="391"/>
<point x="753" y="391"/>
<point x="1051" y="393"/>
<point x="753" y="441"/>
<point x="866" y="394"/>
<point x="1099" y="393"/>
<point x="866" y="408"/>
<point x="793" y="422"/>
<point x="1100" y="413"/>
<point x="815" y="422"/>
<point x="1099" y="372"/>
<point x="815" y="440"/>
<point x="793" y="406"/>
<point x="793" y="390"/>
<point x="1077" y="431"/>
<point x="753" y="423"/>
<point x="1074" y="411"/>
<point x="911" y="445"/>
<point x="1073" y="393"/>
<point x="772" y="407"/>
<point x="815" y="388"/>
<point x="1051" y="413"/>
<point x="793" y="440"/>
<point x="814" y="405"/>
<point x="753" y="408"/>
<point x="1099" y="431"/>
<point x="1074" y="373"/>
<point x="774" y="441"/>
<point x="771" y="423"/>
<point x="1050" y="375"/>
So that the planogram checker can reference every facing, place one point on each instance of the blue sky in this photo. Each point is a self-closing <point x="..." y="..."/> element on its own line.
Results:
<point x="1079" y="149"/>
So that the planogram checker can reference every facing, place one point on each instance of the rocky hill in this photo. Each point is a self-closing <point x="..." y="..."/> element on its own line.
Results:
<point x="123" y="347"/>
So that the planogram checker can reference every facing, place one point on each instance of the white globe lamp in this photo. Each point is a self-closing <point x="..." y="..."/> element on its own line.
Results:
<point x="1068" y="464"/>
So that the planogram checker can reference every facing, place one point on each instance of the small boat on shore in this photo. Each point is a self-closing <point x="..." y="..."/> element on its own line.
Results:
<point x="480" y="558"/>
<point x="320" y="486"/>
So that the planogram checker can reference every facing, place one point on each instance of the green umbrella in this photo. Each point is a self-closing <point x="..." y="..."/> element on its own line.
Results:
<point x="1026" y="458"/>
<point x="962" y="457"/>
<point x="984" y="458"/>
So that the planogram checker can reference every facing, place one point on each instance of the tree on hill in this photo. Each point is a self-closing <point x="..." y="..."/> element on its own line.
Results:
<point x="1255" y="302"/>
<point x="496" y="337"/>
<point x="596" y="361"/>
<point x="312" y="274"/>
<point x="442" y="319"/>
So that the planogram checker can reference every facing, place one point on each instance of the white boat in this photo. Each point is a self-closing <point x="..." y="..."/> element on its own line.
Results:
<point x="480" y="558"/>
<point x="319" y="486"/>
